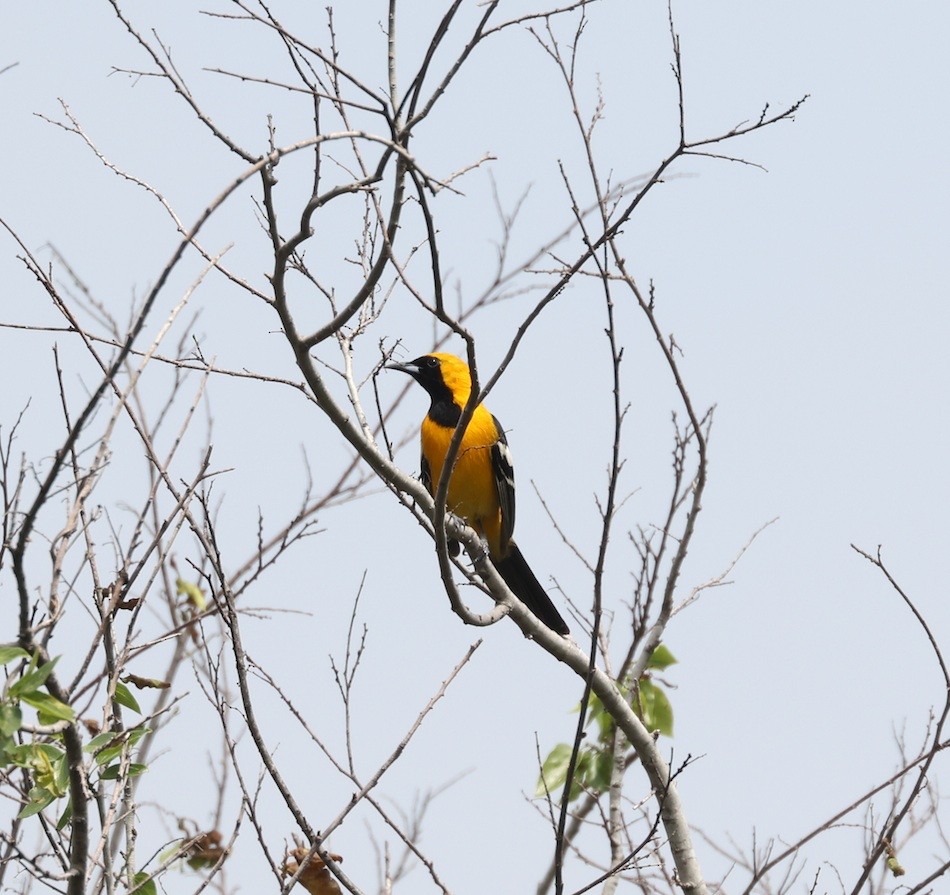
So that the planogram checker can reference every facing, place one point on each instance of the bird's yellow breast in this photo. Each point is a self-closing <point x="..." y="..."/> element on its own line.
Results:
<point x="472" y="493"/>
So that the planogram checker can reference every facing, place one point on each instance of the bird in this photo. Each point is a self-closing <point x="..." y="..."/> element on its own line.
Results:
<point x="481" y="488"/>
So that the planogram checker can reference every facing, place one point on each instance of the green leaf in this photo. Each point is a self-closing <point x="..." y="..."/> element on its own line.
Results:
<point x="136" y="733"/>
<point x="194" y="594"/>
<point x="50" y="772"/>
<point x="655" y="709"/>
<point x="39" y="799"/>
<point x="112" y="772"/>
<point x="173" y="851"/>
<point x="66" y="816"/>
<point x="62" y="776"/>
<point x="110" y="753"/>
<point x="597" y="714"/>
<point x="109" y="746"/>
<point x="592" y="771"/>
<point x="7" y="745"/>
<point x="143" y="884"/>
<point x="602" y="765"/>
<point x="661" y="658"/>
<point x="28" y="755"/>
<point x="100" y="740"/>
<point x="554" y="770"/>
<point x="49" y="707"/>
<point x="33" y="679"/>
<point x="10" y="719"/>
<point x="9" y="653"/>
<point x="124" y="696"/>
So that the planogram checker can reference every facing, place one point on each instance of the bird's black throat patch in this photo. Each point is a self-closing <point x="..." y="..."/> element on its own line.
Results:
<point x="444" y="411"/>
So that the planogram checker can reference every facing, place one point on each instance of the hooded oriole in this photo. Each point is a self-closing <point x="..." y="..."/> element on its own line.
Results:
<point x="482" y="485"/>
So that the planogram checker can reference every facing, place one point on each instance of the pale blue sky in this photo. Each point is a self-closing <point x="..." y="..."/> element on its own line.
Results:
<point x="810" y="302"/>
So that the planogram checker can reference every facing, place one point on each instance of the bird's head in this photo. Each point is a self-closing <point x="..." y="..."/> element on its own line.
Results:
<point x="443" y="376"/>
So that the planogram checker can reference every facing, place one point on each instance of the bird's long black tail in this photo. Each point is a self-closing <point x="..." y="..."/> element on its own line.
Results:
<point x="526" y="587"/>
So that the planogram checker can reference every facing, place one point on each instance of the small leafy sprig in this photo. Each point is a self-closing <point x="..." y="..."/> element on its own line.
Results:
<point x="595" y="760"/>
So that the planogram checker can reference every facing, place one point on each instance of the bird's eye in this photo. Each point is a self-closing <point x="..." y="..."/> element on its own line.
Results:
<point x="432" y="362"/>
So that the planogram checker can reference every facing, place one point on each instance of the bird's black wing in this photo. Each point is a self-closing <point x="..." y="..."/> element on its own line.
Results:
<point x="504" y="472"/>
<point x="425" y="474"/>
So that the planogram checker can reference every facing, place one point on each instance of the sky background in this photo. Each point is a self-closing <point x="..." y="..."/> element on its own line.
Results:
<point x="810" y="302"/>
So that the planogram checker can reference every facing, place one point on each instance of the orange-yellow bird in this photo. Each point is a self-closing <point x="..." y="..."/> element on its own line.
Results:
<point x="482" y="485"/>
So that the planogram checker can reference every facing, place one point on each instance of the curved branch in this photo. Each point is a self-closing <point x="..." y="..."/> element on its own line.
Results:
<point x="889" y="831"/>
